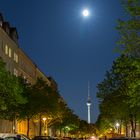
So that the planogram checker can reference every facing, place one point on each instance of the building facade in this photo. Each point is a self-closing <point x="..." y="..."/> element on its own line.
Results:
<point x="19" y="64"/>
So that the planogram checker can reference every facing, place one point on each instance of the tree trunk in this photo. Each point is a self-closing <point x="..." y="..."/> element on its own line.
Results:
<point x="126" y="129"/>
<point x="28" y="126"/>
<point x="60" y="132"/>
<point x="120" y="131"/>
<point x="131" y="123"/>
<point x="135" y="125"/>
<point x="132" y="129"/>
<point x="14" y="125"/>
<point x="40" y="126"/>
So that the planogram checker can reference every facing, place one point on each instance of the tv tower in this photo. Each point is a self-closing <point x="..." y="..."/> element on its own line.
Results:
<point x="88" y="103"/>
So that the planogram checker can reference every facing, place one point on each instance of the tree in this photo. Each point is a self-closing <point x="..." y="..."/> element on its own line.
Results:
<point x="86" y="130"/>
<point x="129" y="44"/>
<point x="118" y="92"/>
<point x="129" y="29"/>
<point x="10" y="93"/>
<point x="38" y="101"/>
<point x="26" y="111"/>
<point x="103" y="124"/>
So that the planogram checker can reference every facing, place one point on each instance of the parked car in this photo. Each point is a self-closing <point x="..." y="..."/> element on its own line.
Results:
<point x="41" y="138"/>
<point x="10" y="136"/>
<point x="45" y="138"/>
<point x="123" y="138"/>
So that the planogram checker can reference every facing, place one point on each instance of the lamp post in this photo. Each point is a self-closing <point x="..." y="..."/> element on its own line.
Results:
<point x="117" y="126"/>
<point x="44" y="121"/>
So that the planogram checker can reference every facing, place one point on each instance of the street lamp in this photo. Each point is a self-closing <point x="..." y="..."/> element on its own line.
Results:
<point x="117" y="126"/>
<point x="44" y="120"/>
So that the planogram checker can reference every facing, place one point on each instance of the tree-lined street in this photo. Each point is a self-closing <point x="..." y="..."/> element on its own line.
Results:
<point x="31" y="103"/>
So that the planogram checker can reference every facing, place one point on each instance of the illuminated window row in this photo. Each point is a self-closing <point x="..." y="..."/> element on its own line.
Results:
<point x="8" y="52"/>
<point x="24" y="77"/>
<point x="15" y="57"/>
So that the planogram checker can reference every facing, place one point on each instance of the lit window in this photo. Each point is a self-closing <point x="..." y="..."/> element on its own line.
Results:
<point x="0" y="23"/>
<point x="6" y="49"/>
<point x="27" y="81"/>
<point x="24" y="77"/>
<point x="10" y="54"/>
<point x="15" y="57"/>
<point x="15" y="72"/>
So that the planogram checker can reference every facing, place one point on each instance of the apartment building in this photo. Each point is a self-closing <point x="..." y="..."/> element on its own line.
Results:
<point x="18" y="63"/>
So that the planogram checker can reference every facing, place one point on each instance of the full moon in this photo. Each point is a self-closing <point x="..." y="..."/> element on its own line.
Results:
<point x="85" y="13"/>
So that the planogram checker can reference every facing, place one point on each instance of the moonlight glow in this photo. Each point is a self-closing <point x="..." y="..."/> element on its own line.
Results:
<point x="85" y="13"/>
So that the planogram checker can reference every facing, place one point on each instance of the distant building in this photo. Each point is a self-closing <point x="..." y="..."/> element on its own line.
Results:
<point x="19" y="64"/>
<point x="17" y="61"/>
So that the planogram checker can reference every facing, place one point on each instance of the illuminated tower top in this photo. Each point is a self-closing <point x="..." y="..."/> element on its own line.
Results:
<point x="88" y="101"/>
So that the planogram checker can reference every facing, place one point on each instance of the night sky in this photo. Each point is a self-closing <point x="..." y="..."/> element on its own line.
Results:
<point x="65" y="45"/>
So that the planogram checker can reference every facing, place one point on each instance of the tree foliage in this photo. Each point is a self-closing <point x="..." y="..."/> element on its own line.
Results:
<point x="129" y="29"/>
<point x="119" y="92"/>
<point x="10" y="93"/>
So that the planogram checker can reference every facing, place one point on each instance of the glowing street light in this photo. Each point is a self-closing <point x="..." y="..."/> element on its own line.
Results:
<point x="117" y="126"/>
<point x="44" y="120"/>
<point x="85" y="13"/>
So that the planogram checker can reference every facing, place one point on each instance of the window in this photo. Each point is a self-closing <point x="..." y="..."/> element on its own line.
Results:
<point x="1" y="23"/>
<point x="24" y="77"/>
<point x="15" y="72"/>
<point x="15" y="57"/>
<point x="10" y="54"/>
<point x="6" y="49"/>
